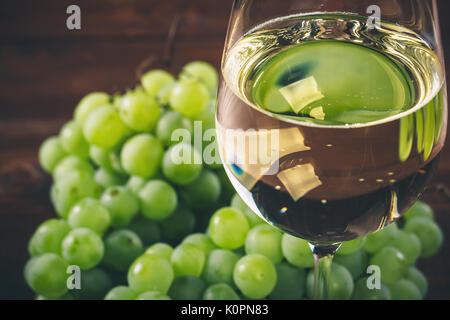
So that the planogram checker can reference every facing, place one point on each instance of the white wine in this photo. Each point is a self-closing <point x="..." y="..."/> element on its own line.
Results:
<point x="354" y="74"/>
<point x="353" y="118"/>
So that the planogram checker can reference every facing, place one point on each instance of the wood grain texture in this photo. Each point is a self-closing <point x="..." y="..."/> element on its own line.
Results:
<point x="45" y="70"/>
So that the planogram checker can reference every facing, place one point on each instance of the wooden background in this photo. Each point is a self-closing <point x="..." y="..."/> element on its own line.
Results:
<point x="45" y="70"/>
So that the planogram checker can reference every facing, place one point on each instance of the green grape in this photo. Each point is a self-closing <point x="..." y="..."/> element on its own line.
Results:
<point x="94" y="283"/>
<point x="428" y="232"/>
<point x="178" y="225"/>
<point x="202" y="72"/>
<point x="154" y="80"/>
<point x="89" y="213"/>
<point x="419" y="209"/>
<point x="265" y="240"/>
<point x="161" y="249"/>
<point x="150" y="272"/>
<point x="83" y="247"/>
<point x="181" y="164"/>
<point x="135" y="184"/>
<point x="297" y="251"/>
<point x="122" y="205"/>
<point x="418" y="278"/>
<point x="220" y="291"/>
<point x="71" y="163"/>
<point x="73" y="141"/>
<point x="362" y="291"/>
<point x="107" y="178"/>
<point x="340" y="283"/>
<point x="147" y="230"/>
<point x="122" y="247"/>
<point x="187" y="259"/>
<point x="117" y="99"/>
<point x="291" y="283"/>
<point x="169" y="122"/>
<point x="158" y="200"/>
<point x="46" y="275"/>
<point x="164" y="93"/>
<point x="100" y="157"/>
<point x="404" y="289"/>
<point x="203" y="192"/>
<point x="141" y="155"/>
<point x="104" y="127"/>
<point x="228" y="228"/>
<point x="408" y="243"/>
<point x="255" y="275"/>
<point x="376" y="241"/>
<point x="121" y="293"/>
<point x="349" y="247"/>
<point x="70" y="189"/>
<point x="51" y="153"/>
<point x="152" y="295"/>
<point x="202" y="241"/>
<point x="392" y="264"/>
<point x="219" y="266"/>
<point x="88" y="104"/>
<point x="356" y="263"/>
<point x="187" y="287"/>
<point x="189" y="98"/>
<point x="207" y="116"/>
<point x="48" y="237"/>
<point x="140" y="111"/>
<point x="252" y="218"/>
<point x="115" y="161"/>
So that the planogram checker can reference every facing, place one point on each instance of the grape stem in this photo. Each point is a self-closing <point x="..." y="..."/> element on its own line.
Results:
<point x="166" y="58"/>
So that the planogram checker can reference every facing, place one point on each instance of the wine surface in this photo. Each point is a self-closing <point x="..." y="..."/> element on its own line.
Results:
<point x="329" y="129"/>
<point x="333" y="70"/>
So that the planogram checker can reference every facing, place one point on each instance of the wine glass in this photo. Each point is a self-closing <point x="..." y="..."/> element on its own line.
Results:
<point x="331" y="114"/>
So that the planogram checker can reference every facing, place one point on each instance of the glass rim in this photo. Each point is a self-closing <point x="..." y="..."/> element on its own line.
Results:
<point x="282" y="118"/>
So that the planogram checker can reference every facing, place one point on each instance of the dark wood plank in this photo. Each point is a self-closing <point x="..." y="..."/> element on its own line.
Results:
<point x="117" y="19"/>
<point x="58" y="75"/>
<point x="46" y="69"/>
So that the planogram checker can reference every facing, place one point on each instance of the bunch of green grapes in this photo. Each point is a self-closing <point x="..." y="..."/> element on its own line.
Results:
<point x="118" y="187"/>
<point x="141" y="225"/>
<point x="242" y="257"/>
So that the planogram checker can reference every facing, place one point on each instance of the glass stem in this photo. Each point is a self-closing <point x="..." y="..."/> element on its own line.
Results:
<point x="323" y="258"/>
